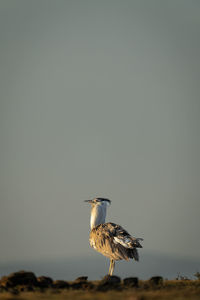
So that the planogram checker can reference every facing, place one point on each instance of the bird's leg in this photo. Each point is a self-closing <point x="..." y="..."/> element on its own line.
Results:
<point x="111" y="268"/>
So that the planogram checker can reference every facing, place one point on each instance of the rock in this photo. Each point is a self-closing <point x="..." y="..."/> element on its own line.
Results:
<point x="60" y="284"/>
<point x="156" y="280"/>
<point x="81" y="279"/>
<point x="82" y="285"/>
<point x="130" y="282"/>
<point x="44" y="282"/>
<point x="19" y="278"/>
<point x="27" y="288"/>
<point x="111" y="279"/>
<point x="109" y="282"/>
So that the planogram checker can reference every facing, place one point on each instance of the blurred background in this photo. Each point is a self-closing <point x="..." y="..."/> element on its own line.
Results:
<point x="99" y="98"/>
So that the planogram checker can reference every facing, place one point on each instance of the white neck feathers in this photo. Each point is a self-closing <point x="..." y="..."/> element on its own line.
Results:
<point x="98" y="215"/>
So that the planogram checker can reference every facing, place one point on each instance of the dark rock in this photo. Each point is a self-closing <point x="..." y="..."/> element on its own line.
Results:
<point x="81" y="279"/>
<point x="81" y="285"/>
<point x="156" y="280"/>
<point x="111" y="279"/>
<point x="29" y="288"/>
<point x="109" y="282"/>
<point x="19" y="278"/>
<point x="60" y="284"/>
<point x="131" y="282"/>
<point x="44" y="282"/>
<point x="88" y="286"/>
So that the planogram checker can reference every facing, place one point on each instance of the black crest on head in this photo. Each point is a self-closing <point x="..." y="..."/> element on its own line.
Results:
<point x="103" y="199"/>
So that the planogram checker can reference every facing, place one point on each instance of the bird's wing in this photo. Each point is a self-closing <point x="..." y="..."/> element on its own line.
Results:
<point x="124" y="238"/>
<point x="114" y="242"/>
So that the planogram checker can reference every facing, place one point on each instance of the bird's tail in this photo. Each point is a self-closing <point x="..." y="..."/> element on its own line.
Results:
<point x="133" y="253"/>
<point x="136" y="242"/>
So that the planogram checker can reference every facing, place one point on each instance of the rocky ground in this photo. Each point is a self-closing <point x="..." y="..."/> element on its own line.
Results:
<point x="25" y="285"/>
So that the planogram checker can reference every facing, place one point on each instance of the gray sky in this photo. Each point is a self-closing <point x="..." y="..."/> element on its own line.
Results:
<point x="99" y="98"/>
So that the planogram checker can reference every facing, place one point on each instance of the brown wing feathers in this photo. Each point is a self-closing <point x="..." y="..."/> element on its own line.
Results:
<point x="114" y="242"/>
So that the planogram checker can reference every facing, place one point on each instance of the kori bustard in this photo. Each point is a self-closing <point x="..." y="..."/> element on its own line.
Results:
<point x="110" y="239"/>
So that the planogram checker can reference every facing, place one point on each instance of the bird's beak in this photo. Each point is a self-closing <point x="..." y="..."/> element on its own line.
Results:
<point x="89" y="201"/>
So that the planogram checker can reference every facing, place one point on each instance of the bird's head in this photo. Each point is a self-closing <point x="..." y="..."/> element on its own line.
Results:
<point x="99" y="202"/>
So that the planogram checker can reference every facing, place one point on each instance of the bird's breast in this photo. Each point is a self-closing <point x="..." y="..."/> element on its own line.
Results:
<point x="92" y="243"/>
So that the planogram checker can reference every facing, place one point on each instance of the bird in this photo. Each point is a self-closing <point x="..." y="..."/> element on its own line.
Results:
<point x="110" y="239"/>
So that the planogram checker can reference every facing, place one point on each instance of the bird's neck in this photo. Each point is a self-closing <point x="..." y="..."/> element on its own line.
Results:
<point x="98" y="216"/>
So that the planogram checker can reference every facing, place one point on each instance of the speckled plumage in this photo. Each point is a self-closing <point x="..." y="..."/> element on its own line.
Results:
<point x="114" y="241"/>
